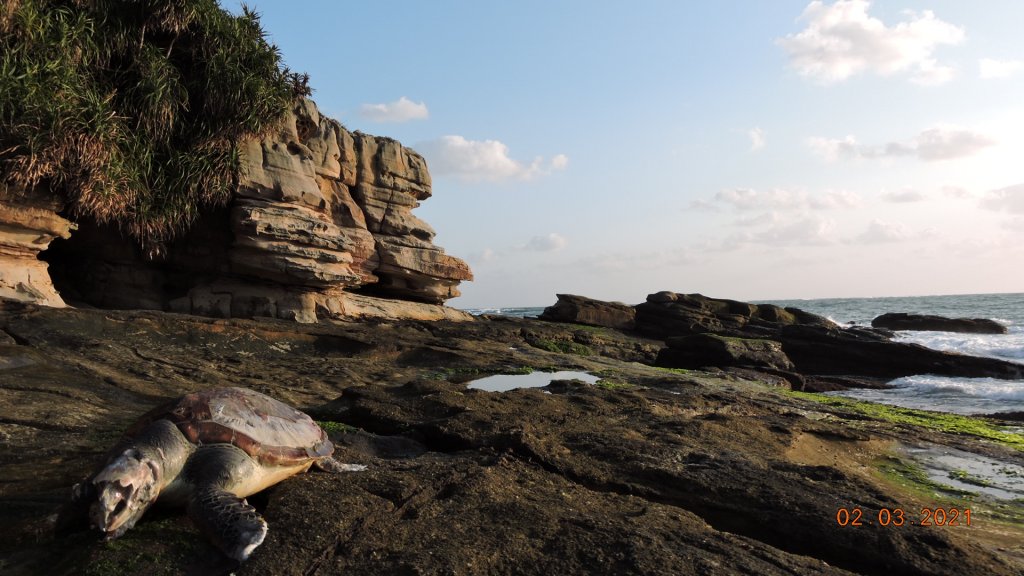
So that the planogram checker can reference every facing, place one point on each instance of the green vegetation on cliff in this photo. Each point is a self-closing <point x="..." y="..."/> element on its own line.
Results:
<point x="130" y="111"/>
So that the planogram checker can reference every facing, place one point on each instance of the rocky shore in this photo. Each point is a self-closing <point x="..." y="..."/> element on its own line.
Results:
<point x="718" y="469"/>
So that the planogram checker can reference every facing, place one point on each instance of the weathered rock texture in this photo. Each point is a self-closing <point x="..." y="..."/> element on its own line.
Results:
<point x="319" y="213"/>
<point x="700" y="350"/>
<point x="927" y="322"/>
<point x="27" y="226"/>
<point x="582" y="310"/>
<point x="671" y="314"/>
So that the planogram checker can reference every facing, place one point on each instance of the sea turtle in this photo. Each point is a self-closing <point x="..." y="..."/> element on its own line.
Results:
<point x="207" y="451"/>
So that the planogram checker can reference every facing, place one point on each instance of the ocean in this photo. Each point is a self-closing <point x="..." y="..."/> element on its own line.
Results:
<point x="957" y="395"/>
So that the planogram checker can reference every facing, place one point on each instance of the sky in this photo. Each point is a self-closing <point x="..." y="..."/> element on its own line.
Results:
<point x="741" y="149"/>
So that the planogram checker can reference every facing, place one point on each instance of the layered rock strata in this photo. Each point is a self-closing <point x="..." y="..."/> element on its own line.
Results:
<point x="320" y="226"/>
<point x="28" y="224"/>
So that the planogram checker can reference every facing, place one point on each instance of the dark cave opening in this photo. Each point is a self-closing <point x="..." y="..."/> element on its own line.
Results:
<point x="102" y="267"/>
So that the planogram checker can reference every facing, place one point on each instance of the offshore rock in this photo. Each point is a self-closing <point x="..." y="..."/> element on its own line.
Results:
<point x="671" y="314"/>
<point x="926" y="322"/>
<point x="811" y="352"/>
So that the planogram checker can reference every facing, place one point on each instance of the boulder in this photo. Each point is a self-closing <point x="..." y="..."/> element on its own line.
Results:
<point x="926" y="322"/>
<point x="582" y="310"/>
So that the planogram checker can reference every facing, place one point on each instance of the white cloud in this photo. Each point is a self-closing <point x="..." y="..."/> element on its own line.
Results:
<point x="401" y="110"/>
<point x="779" y="199"/>
<point x="807" y="231"/>
<point x="946" y="144"/>
<point x="483" y="160"/>
<point x="942" y="143"/>
<point x="956" y="192"/>
<point x="903" y="196"/>
<point x="930" y="73"/>
<point x="1009" y="199"/>
<point x="756" y="139"/>
<point x="831" y="149"/>
<point x="882" y="232"/>
<point x="842" y="40"/>
<point x="777" y="230"/>
<point x="989" y="69"/>
<point x="559" y="162"/>
<point x="482" y="257"/>
<point x="834" y="199"/>
<point x="548" y="243"/>
<point x="750" y="199"/>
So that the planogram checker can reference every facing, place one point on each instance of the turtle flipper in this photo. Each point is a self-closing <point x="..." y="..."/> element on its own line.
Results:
<point x="329" y="464"/>
<point x="216" y="472"/>
<point x="229" y="521"/>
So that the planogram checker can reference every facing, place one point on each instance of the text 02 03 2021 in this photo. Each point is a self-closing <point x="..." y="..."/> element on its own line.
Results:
<point x="897" y="517"/>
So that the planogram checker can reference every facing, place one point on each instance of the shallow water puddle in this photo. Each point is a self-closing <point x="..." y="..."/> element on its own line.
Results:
<point x="506" y="382"/>
<point x="970" y="472"/>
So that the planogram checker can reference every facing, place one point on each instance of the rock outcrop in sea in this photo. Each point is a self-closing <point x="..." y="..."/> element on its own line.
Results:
<point x="932" y="323"/>
<point x="320" y="226"/>
<point x="812" y="352"/>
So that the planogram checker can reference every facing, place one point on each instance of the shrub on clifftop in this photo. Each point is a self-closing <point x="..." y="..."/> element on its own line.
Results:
<point x="129" y="111"/>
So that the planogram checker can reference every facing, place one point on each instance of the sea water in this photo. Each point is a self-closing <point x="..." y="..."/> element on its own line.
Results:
<point x="929" y="392"/>
<point x="959" y="395"/>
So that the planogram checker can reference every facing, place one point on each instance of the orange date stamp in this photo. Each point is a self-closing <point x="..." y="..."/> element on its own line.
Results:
<point x="897" y="517"/>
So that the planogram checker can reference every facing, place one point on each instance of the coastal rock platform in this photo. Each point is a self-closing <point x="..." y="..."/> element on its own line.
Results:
<point x="649" y="471"/>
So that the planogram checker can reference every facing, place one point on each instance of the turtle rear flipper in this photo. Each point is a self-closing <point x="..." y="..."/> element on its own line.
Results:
<point x="329" y="464"/>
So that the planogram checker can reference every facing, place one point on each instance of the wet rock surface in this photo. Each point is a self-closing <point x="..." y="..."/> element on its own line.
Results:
<point x="650" y="471"/>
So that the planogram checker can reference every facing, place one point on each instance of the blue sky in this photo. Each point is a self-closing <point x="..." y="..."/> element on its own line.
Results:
<point x="742" y="149"/>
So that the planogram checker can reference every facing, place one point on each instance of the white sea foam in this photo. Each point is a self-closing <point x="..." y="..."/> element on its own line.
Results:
<point x="1003" y="346"/>
<point x="957" y="395"/>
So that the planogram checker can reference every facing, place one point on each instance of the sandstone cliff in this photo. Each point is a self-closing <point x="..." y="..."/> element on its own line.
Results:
<point x="320" y="226"/>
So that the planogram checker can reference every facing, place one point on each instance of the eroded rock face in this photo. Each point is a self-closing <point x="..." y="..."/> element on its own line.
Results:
<point x="321" y="207"/>
<point x="319" y="211"/>
<point x="27" y="226"/>
<point x="319" y="214"/>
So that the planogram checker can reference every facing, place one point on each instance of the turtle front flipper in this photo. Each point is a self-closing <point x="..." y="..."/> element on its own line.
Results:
<point x="215" y="473"/>
<point x="229" y="521"/>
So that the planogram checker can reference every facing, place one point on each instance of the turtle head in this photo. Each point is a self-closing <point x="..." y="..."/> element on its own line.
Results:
<point x="124" y="490"/>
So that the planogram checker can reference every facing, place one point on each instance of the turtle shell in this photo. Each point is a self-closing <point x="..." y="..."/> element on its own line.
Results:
<point x="270" y="431"/>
